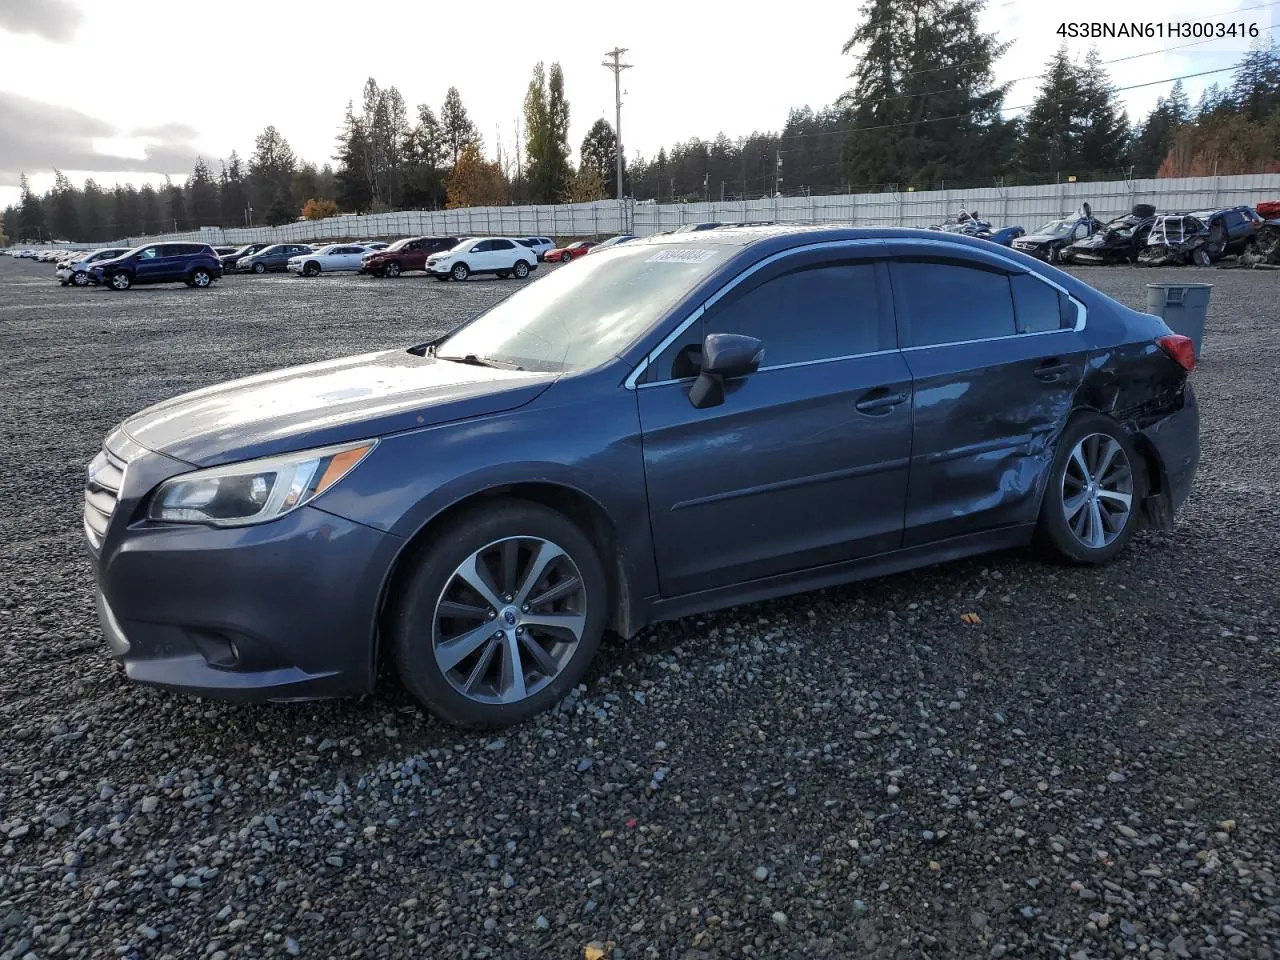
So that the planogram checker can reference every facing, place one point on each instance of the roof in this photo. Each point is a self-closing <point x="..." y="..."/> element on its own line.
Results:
<point x="784" y="235"/>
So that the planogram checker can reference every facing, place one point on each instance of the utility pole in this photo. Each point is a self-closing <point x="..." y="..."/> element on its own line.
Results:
<point x="777" y="175"/>
<point x="617" y="66"/>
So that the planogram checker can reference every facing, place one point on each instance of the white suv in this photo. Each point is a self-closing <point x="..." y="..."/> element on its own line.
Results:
<point x="498" y="255"/>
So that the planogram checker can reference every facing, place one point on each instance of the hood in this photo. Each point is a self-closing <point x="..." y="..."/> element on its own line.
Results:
<point x="326" y="403"/>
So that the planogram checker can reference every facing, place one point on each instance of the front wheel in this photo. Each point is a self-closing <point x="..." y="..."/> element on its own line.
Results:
<point x="521" y="269"/>
<point x="1094" y="492"/>
<point x="312" y="269"/>
<point x="259" y="268"/>
<point x="460" y="271"/>
<point x="121" y="281"/>
<point x="501" y="615"/>
<point x="393" y="269"/>
<point x="80" y="279"/>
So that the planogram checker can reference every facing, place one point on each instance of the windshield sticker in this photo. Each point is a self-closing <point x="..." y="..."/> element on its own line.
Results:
<point x="682" y="255"/>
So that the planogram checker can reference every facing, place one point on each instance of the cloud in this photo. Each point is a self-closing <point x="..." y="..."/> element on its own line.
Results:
<point x="55" y="20"/>
<point x="38" y="136"/>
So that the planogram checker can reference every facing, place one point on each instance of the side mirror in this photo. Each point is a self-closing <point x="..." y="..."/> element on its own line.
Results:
<point x="725" y="356"/>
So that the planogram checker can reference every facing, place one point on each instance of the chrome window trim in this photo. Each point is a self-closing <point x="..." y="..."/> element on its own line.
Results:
<point x="652" y="355"/>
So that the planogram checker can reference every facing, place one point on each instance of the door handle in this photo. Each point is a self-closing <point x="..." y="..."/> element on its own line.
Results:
<point x="881" y="403"/>
<point x="1052" y="370"/>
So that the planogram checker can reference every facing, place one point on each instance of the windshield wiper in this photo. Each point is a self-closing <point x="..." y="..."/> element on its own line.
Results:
<point x="475" y="361"/>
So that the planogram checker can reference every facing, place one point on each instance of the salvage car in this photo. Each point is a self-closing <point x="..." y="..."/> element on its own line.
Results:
<point x="1047" y="240"/>
<point x="676" y="425"/>
<point x="1201" y="238"/>
<point x="1119" y="240"/>
<point x="969" y="224"/>
<point x="75" y="271"/>
<point x="408" y="254"/>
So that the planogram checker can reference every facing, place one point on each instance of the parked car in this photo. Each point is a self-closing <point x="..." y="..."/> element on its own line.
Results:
<point x="194" y="264"/>
<point x="1201" y="238"/>
<point x="1119" y="240"/>
<point x="612" y="242"/>
<point x="408" y="254"/>
<point x="223" y="251"/>
<point x="971" y="225"/>
<point x="274" y="258"/>
<point x="75" y="271"/>
<point x="1047" y="240"/>
<point x="375" y="245"/>
<point x="574" y="250"/>
<point x="334" y="258"/>
<point x="502" y="256"/>
<point x="539" y="245"/>
<point x="476" y="511"/>
<point x="230" y="260"/>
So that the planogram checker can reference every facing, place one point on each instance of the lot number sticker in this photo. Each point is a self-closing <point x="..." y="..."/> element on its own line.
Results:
<point x="683" y="255"/>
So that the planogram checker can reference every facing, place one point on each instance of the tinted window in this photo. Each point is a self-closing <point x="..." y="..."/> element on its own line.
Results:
<point x="832" y="310"/>
<point x="483" y="246"/>
<point x="950" y="303"/>
<point x="1039" y="307"/>
<point x="501" y="245"/>
<point x="150" y="253"/>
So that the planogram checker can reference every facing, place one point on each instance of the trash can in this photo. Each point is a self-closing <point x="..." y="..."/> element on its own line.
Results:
<point x="1182" y="306"/>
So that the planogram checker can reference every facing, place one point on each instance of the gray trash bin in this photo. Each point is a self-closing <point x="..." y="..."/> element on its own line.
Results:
<point x="1182" y="306"/>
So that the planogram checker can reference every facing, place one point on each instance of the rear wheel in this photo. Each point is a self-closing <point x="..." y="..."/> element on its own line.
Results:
<point x="521" y="269"/>
<point x="201" y="278"/>
<point x="500" y="617"/>
<point x="1094" y="492"/>
<point x="393" y="269"/>
<point x="460" y="271"/>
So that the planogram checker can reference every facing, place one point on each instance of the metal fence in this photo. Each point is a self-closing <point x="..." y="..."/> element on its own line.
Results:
<point x="1003" y="206"/>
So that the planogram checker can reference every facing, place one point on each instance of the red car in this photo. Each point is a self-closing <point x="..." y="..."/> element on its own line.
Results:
<point x="565" y="254"/>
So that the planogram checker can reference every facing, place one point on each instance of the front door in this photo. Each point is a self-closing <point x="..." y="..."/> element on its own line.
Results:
<point x="805" y="462"/>
<point x="996" y="360"/>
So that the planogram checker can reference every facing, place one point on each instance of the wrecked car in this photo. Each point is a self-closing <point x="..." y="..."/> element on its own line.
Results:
<point x="971" y="225"/>
<point x="1119" y="240"/>
<point x="1201" y="238"/>
<point x="1047" y="241"/>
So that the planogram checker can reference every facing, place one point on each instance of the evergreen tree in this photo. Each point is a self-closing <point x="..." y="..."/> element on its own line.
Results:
<point x="354" y="191"/>
<point x="271" y="170"/>
<point x="202" y="195"/>
<point x="1155" y="138"/>
<point x="1255" y="88"/>
<point x="31" y="220"/>
<point x="175" y="207"/>
<point x="126" y="214"/>
<point x="1104" y="139"/>
<point x="599" y="151"/>
<point x="93" y="213"/>
<point x="233" y="197"/>
<point x="64" y="213"/>
<point x="149" y="217"/>
<point x="456" y="126"/>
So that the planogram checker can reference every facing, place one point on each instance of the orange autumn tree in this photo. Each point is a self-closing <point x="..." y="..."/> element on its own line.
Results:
<point x="320" y="209"/>
<point x="475" y="182"/>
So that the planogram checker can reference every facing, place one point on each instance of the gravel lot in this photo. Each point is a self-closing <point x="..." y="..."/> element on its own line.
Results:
<point x="1091" y="771"/>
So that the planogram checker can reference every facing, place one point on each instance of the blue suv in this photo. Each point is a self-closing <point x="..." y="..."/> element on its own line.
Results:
<point x="195" y="264"/>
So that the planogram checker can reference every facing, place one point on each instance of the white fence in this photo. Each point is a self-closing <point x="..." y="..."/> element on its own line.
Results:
<point x="1003" y="206"/>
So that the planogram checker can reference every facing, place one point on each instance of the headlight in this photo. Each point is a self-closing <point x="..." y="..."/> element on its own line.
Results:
<point x="256" y="491"/>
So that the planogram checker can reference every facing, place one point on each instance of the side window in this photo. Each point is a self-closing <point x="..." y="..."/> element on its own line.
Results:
<point x="1081" y="231"/>
<point x="484" y="246"/>
<point x="149" y="254"/>
<point x="1040" y="307"/>
<point x="940" y="302"/>
<point x="501" y="245"/>
<point x="813" y="313"/>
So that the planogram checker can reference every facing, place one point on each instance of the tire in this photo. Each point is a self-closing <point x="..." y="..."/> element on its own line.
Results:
<point x="80" y="279"/>
<point x="460" y="271"/>
<point x="200" y="279"/>
<point x="259" y="268"/>
<point x="1143" y="210"/>
<point x="392" y="270"/>
<point x="311" y="269"/>
<point x="1086" y="535"/>
<point x="1200" y="257"/>
<point x="473" y="690"/>
<point x="120" y="281"/>
<point x="521" y="269"/>
<point x="1055" y="255"/>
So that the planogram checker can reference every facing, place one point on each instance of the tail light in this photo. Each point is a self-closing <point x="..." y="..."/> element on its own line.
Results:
<point x="1181" y="349"/>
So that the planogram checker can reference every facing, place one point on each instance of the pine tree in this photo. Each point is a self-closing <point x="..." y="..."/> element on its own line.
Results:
<point x="176" y="207"/>
<point x="202" y="194"/>
<point x="1104" y="140"/>
<point x="149" y="217"/>
<point x="233" y="198"/>
<point x="546" y="122"/>
<point x="31" y="215"/>
<point x="271" y="170"/>
<point x="354" y="192"/>
<point x="64" y="214"/>
<point x="93" y="213"/>
<point x="599" y="151"/>
<point x="1255" y="88"/>
<point x="456" y="126"/>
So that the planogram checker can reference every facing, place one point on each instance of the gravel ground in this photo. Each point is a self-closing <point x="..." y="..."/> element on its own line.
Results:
<point x="1090" y="771"/>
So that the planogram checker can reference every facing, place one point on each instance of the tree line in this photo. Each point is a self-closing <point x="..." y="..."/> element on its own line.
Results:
<point x="924" y="112"/>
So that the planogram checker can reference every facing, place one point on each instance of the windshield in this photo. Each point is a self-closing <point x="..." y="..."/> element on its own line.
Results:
<point x="1055" y="228"/>
<point x="400" y="244"/>
<point x="577" y="319"/>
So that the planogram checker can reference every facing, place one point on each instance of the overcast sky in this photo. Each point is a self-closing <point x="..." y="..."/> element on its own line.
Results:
<point x="130" y="90"/>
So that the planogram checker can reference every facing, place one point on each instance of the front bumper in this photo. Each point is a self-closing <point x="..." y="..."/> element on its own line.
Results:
<point x="283" y="610"/>
<point x="439" y="269"/>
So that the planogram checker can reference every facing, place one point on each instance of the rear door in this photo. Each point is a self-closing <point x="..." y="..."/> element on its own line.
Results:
<point x="805" y="462"/>
<point x="995" y="358"/>
<point x="503" y="256"/>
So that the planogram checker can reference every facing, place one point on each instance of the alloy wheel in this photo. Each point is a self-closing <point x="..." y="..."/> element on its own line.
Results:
<point x="1097" y="490"/>
<point x="509" y="620"/>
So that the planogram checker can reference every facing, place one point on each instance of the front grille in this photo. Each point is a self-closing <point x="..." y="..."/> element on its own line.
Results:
<point x="106" y="473"/>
